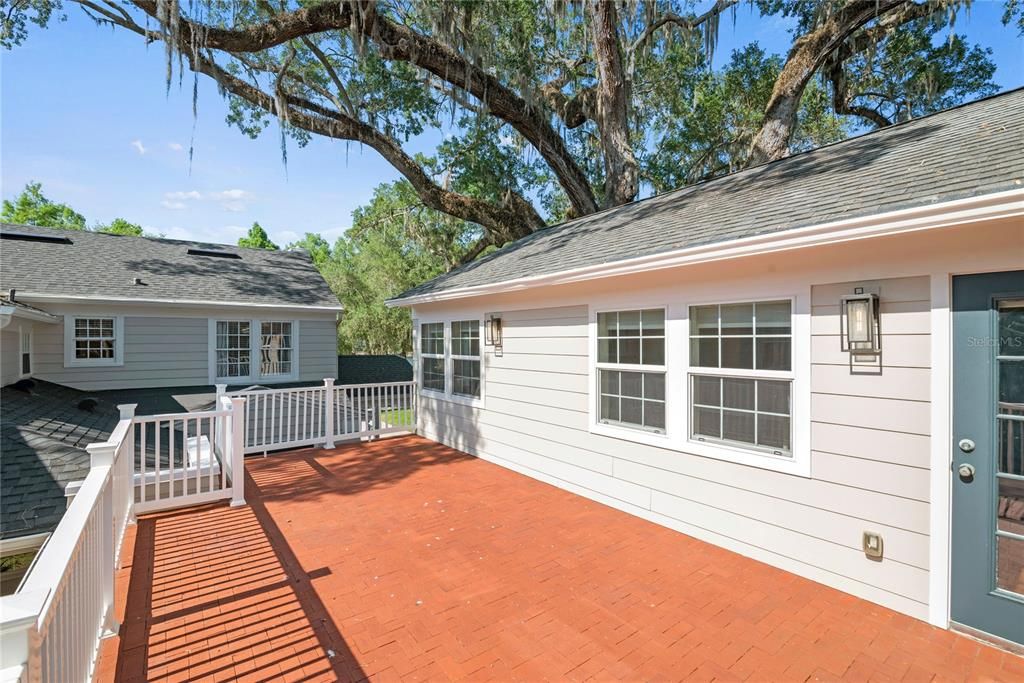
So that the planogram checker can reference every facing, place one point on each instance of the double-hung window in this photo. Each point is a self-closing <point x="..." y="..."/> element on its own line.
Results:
<point x="234" y="343"/>
<point x="276" y="348"/>
<point x="432" y="357"/>
<point x="741" y="381"/>
<point x="250" y="350"/>
<point x="93" y="340"/>
<point x="631" y="369"/>
<point x="466" y="358"/>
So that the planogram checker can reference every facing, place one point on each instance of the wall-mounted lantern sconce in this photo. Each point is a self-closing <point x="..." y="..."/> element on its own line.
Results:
<point x="492" y="330"/>
<point x="859" y="332"/>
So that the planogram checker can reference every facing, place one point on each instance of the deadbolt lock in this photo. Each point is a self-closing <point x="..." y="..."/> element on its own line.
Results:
<point x="966" y="445"/>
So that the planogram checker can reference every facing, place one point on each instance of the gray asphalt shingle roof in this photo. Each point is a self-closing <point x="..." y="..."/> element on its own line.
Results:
<point x="970" y="150"/>
<point x="43" y="436"/>
<point x="105" y="266"/>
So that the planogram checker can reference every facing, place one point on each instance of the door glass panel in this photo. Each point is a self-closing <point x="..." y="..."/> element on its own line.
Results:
<point x="1010" y="564"/>
<point x="1010" y="506"/>
<point x="1011" y="328"/>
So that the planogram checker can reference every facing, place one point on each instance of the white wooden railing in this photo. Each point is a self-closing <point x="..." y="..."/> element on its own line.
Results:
<point x="277" y="419"/>
<point x="51" y="628"/>
<point x="186" y="459"/>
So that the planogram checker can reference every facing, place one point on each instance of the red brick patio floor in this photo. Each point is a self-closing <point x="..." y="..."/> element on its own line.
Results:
<point x="404" y="559"/>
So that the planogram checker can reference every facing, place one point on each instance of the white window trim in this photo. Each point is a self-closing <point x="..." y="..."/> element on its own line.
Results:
<point x="22" y="331"/>
<point x="678" y="370"/>
<point x="443" y="356"/>
<point x="69" y="343"/>
<point x="449" y="380"/>
<point x="616" y="429"/>
<point x="781" y="375"/>
<point x="451" y="358"/>
<point x="255" y="351"/>
<point x="294" y="348"/>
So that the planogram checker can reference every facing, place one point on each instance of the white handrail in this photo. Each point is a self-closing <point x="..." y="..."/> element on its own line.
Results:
<point x="66" y="603"/>
<point x="50" y="629"/>
<point x="319" y="415"/>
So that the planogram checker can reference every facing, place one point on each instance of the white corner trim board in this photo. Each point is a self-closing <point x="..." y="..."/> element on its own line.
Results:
<point x="939" y="554"/>
<point x="932" y="216"/>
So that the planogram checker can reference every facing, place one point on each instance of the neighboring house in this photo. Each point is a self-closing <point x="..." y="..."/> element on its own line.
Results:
<point x="682" y="358"/>
<point x="109" y="319"/>
<point x="94" y="311"/>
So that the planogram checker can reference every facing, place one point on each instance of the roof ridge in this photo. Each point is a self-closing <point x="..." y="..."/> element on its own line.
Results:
<point x="4" y="226"/>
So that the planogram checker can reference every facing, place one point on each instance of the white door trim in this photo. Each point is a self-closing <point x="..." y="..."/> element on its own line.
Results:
<point x="939" y="557"/>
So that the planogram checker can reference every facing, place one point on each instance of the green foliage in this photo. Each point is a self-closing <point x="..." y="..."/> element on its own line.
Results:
<point x="31" y="207"/>
<point x="257" y="238"/>
<point x="706" y="129"/>
<point x="16" y="15"/>
<point x="120" y="226"/>
<point x="394" y="244"/>
<point x="917" y="71"/>
<point x="319" y="249"/>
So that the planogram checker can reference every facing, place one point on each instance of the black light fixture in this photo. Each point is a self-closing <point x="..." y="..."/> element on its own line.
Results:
<point x="492" y="330"/>
<point x="858" y="324"/>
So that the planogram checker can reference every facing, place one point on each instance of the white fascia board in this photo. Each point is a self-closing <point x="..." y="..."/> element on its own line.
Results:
<point x="941" y="215"/>
<point x="18" y="312"/>
<point x="71" y="299"/>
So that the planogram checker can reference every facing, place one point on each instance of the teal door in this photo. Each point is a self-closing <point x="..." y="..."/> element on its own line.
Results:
<point x="987" y="591"/>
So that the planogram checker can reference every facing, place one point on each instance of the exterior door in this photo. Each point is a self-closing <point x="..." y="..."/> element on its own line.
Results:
<point x="987" y="590"/>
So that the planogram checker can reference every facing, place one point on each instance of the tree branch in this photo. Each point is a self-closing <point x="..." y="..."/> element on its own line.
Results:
<point x="612" y="97"/>
<point x="401" y="43"/>
<point x="809" y="52"/>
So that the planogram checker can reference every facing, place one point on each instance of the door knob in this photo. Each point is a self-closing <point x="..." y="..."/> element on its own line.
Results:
<point x="966" y="472"/>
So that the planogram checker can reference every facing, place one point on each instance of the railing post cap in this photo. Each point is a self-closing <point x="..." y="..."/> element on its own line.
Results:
<point x="221" y="388"/>
<point x="127" y="410"/>
<point x="329" y="380"/>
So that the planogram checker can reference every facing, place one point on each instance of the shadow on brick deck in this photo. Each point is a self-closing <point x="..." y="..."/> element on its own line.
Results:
<point x="408" y="560"/>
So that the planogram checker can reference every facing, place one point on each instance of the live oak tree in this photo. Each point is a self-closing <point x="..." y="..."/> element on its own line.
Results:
<point x="554" y="108"/>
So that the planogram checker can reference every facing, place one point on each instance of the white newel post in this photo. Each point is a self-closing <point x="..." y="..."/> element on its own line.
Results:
<point x="127" y="463"/>
<point x="102" y="455"/>
<point x="237" y="451"/>
<point x="329" y="414"/>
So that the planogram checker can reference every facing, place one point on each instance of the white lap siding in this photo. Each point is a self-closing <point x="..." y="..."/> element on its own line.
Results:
<point x="10" y="356"/>
<point x="158" y="352"/>
<point x="174" y="350"/>
<point x="869" y="448"/>
<point x="318" y="349"/>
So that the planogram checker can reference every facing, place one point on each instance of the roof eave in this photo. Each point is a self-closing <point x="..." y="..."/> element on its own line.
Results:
<point x="7" y="311"/>
<point x="984" y="207"/>
<point x="43" y="297"/>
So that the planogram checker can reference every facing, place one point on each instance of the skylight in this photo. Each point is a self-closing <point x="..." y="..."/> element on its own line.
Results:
<point x="34" y="237"/>
<point x="213" y="252"/>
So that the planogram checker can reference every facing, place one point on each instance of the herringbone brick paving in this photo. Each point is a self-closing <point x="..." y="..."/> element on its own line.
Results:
<point x="404" y="559"/>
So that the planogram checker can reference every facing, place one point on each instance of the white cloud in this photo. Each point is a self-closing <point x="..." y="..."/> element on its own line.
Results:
<point x="175" y="146"/>
<point x="234" y="200"/>
<point x="191" y="194"/>
<point x="139" y="147"/>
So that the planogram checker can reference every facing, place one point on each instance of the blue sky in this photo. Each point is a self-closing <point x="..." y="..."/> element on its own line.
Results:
<point x="84" y="110"/>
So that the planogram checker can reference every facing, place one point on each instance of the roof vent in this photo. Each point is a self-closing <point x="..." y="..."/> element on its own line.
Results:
<point x="213" y="252"/>
<point x="137" y="281"/>
<point x="34" y="237"/>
